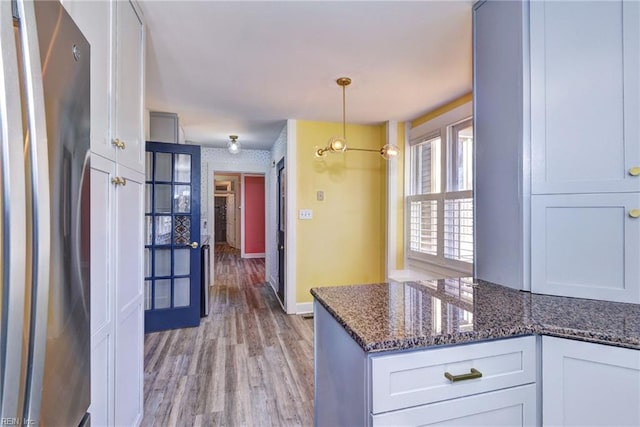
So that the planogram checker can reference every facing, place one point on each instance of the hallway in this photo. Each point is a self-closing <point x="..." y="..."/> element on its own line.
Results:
<point x="247" y="364"/>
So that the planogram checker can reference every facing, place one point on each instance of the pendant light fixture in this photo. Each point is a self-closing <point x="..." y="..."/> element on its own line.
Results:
<point x="233" y="145"/>
<point x="338" y="144"/>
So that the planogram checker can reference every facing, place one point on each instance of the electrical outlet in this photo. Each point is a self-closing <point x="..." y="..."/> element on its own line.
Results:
<point x="305" y="214"/>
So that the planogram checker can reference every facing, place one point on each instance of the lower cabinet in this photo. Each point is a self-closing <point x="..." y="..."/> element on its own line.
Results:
<point x="486" y="383"/>
<point x="589" y="384"/>
<point x="117" y="322"/>
<point x="508" y="407"/>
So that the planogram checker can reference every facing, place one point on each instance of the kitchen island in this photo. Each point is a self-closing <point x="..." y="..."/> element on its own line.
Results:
<point x="456" y="351"/>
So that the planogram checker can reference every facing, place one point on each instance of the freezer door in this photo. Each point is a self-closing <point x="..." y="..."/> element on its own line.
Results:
<point x="64" y="54"/>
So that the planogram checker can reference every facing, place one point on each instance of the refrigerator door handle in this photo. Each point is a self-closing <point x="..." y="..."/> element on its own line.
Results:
<point x="13" y="232"/>
<point x="41" y="210"/>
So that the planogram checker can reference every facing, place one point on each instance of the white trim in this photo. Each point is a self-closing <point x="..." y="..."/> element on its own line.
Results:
<point x="256" y="255"/>
<point x="242" y="190"/>
<point x="290" y="230"/>
<point x="407" y="184"/>
<point x="392" y="196"/>
<point x="304" y="307"/>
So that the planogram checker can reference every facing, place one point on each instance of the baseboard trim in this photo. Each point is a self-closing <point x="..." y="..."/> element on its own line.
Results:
<point x="272" y="282"/>
<point x="304" y="307"/>
<point x="262" y="255"/>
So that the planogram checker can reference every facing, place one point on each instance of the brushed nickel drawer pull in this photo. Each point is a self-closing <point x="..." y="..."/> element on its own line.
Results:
<point x="472" y="375"/>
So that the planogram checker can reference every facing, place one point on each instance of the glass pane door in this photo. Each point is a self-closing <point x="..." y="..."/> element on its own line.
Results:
<point x="172" y="248"/>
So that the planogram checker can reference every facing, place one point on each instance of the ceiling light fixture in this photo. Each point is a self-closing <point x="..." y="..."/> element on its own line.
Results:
<point x="233" y="145"/>
<point x="338" y="144"/>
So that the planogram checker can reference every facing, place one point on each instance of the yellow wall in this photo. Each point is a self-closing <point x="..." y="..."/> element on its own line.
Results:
<point x="344" y="243"/>
<point x="441" y="110"/>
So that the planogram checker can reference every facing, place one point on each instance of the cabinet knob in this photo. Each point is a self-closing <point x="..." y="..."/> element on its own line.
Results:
<point x="194" y="245"/>
<point x="634" y="213"/>
<point x="118" y="144"/>
<point x="119" y="181"/>
<point x="634" y="171"/>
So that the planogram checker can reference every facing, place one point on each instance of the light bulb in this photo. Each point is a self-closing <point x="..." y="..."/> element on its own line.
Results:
<point x="337" y="144"/>
<point x="234" y="147"/>
<point x="389" y="151"/>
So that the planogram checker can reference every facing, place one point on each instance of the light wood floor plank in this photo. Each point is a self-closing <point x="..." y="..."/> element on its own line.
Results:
<point x="247" y="364"/>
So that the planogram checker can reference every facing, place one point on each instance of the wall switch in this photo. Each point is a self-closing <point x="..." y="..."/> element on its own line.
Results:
<point x="319" y="195"/>
<point x="305" y="214"/>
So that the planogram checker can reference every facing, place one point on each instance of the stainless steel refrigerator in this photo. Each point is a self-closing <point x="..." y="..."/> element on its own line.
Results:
<point x="44" y="216"/>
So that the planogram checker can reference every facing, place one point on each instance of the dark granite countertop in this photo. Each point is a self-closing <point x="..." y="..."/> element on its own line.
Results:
<point x="397" y="316"/>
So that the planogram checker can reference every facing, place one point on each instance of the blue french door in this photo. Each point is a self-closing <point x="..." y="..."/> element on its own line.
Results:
<point x="172" y="242"/>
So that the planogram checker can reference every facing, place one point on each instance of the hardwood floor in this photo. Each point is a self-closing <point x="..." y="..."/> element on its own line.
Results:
<point x="247" y="364"/>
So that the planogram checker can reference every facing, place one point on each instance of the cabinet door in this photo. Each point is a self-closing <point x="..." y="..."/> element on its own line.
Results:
<point x="94" y="20"/>
<point x="129" y="216"/>
<point x="585" y="96"/>
<point x="586" y="384"/>
<point x="102" y="291"/>
<point x="509" y="407"/>
<point x="129" y="94"/>
<point x="586" y="245"/>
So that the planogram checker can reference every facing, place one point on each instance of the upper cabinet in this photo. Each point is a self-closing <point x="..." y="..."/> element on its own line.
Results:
<point x="128" y="128"/>
<point x="585" y="96"/>
<point x="94" y="20"/>
<point x="557" y="172"/>
<point x="116" y="34"/>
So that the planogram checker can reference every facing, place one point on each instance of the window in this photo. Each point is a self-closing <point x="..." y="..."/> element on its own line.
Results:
<point x="440" y="201"/>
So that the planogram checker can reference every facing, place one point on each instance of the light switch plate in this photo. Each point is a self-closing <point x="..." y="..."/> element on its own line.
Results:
<point x="305" y="214"/>
<point x="320" y="195"/>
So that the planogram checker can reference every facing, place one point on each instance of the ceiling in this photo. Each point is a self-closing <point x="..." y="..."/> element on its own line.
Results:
<point x="238" y="67"/>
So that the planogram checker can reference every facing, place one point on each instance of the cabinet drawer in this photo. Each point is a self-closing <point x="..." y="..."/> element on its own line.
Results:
<point x="417" y="378"/>
<point x="510" y="407"/>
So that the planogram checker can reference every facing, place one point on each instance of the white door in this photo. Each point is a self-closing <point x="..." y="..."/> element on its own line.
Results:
<point x="102" y="291"/>
<point x="585" y="384"/>
<point x="128" y="126"/>
<point x="586" y="245"/>
<point x="129" y="374"/>
<point x="585" y="96"/>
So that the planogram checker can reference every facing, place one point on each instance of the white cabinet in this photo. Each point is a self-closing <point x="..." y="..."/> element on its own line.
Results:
<point x="116" y="34"/>
<point x="586" y="245"/>
<point x="129" y="319"/>
<point x="500" y="101"/>
<point x="585" y="96"/>
<point x="128" y="127"/>
<point x="102" y="291"/>
<point x="509" y="407"/>
<point x="95" y="20"/>
<point x="557" y="130"/>
<point x="589" y="384"/>
<point x="494" y="383"/>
